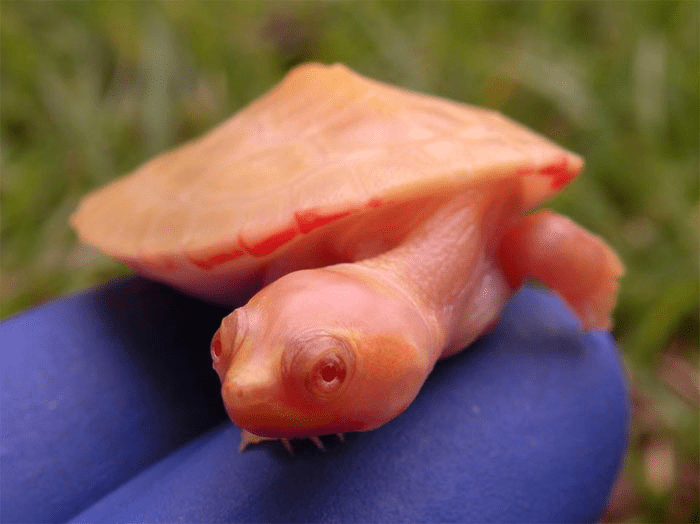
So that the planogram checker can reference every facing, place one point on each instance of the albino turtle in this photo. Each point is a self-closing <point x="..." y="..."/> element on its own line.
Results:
<point x="382" y="230"/>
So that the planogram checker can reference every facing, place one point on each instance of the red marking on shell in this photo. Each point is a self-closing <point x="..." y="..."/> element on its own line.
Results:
<point x="310" y="219"/>
<point x="375" y="203"/>
<point x="524" y="171"/>
<point x="559" y="173"/>
<point x="272" y="243"/>
<point x="209" y="262"/>
<point x="304" y="222"/>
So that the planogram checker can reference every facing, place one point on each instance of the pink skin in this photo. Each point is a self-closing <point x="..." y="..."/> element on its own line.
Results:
<point x="309" y="329"/>
<point x="347" y="347"/>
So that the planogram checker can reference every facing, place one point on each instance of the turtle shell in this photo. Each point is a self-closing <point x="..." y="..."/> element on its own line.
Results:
<point x="323" y="147"/>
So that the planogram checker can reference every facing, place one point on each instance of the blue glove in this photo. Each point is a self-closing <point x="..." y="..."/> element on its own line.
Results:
<point x="111" y="413"/>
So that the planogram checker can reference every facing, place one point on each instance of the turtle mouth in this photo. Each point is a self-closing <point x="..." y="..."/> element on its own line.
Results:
<point x="293" y="425"/>
<point x="267" y="417"/>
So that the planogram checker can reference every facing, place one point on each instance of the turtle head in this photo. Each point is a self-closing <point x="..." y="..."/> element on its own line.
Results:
<point x="321" y="351"/>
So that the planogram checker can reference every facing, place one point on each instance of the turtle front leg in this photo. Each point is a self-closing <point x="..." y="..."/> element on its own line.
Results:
<point x="573" y="262"/>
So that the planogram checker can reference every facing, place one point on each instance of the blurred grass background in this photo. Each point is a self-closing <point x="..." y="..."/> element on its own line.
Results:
<point x="89" y="90"/>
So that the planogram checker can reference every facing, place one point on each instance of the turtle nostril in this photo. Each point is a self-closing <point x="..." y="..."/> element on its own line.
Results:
<point x="239" y="392"/>
<point x="242" y="391"/>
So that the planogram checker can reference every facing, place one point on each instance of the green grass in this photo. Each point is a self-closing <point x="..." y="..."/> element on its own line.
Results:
<point x="92" y="89"/>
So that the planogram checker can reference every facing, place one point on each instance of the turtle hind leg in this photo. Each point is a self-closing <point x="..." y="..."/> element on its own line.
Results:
<point x="574" y="263"/>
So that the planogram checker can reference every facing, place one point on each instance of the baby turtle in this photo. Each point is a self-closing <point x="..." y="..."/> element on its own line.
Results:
<point x="378" y="229"/>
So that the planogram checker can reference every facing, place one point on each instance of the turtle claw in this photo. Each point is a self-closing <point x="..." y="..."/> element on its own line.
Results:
<point x="286" y="445"/>
<point x="319" y="444"/>
<point x="248" y="438"/>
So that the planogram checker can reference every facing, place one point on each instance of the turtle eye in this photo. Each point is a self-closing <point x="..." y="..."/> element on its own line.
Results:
<point x="327" y="374"/>
<point x="216" y="346"/>
<point x="322" y="365"/>
<point x="229" y="336"/>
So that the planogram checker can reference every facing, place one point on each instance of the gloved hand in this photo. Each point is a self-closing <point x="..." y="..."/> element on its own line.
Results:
<point x="111" y="413"/>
